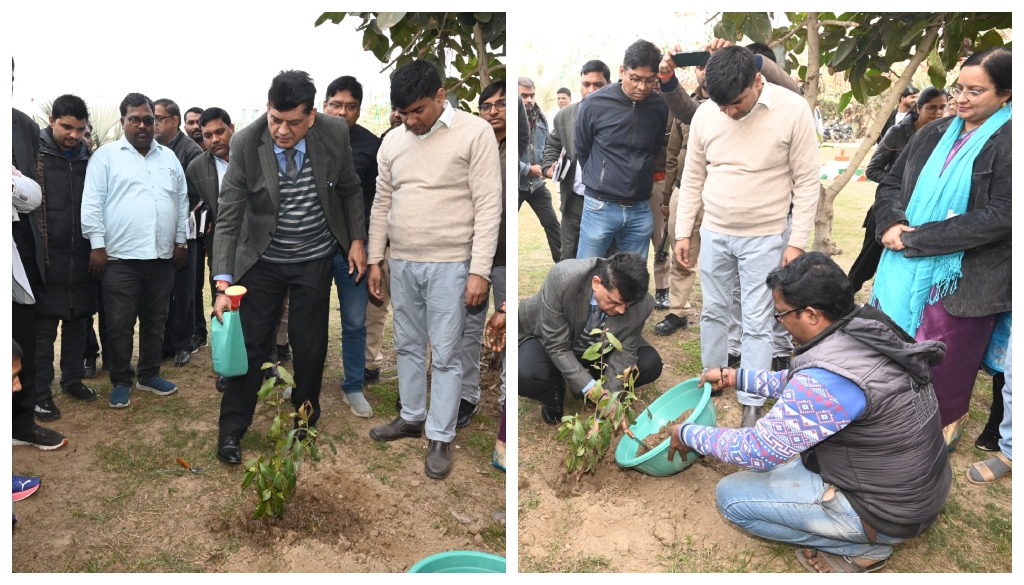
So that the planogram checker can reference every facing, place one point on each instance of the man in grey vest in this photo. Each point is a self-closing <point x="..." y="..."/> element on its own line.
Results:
<point x="858" y="408"/>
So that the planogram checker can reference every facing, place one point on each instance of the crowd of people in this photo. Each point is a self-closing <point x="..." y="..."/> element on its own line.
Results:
<point x="292" y="203"/>
<point x="870" y="399"/>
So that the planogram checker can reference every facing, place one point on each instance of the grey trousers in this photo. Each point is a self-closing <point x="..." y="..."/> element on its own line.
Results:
<point x="722" y="257"/>
<point x="782" y="342"/>
<point x="476" y="319"/>
<point x="428" y="300"/>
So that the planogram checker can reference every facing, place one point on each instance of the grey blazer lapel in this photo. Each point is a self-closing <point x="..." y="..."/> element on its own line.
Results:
<point x="318" y="160"/>
<point x="268" y="162"/>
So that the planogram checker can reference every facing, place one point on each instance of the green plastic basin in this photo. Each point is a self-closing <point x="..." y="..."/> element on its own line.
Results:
<point x="460" y="561"/>
<point x="667" y="408"/>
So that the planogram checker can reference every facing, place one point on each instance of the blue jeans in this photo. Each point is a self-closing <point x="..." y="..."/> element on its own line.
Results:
<point x="630" y="228"/>
<point x="1006" y="428"/>
<point x="352" y="296"/>
<point x="785" y="504"/>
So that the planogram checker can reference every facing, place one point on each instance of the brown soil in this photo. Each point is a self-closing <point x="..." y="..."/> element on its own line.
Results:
<point x="663" y="433"/>
<point x="114" y="499"/>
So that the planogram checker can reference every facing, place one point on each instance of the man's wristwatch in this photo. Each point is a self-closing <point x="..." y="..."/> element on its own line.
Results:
<point x="181" y="246"/>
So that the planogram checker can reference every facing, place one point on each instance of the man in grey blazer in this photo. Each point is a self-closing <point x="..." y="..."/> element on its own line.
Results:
<point x="577" y="297"/>
<point x="204" y="175"/>
<point x="289" y="198"/>
<point x="593" y="76"/>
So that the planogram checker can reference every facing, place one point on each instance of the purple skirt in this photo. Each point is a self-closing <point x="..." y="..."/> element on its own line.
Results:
<point x="966" y="339"/>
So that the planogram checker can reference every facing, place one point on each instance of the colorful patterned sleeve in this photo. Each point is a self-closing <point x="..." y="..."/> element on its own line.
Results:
<point x="812" y="407"/>
<point x="762" y="382"/>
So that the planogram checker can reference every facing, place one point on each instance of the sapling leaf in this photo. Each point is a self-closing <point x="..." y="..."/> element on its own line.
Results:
<point x="614" y="341"/>
<point x="288" y="380"/>
<point x="593" y="352"/>
<point x="261" y="510"/>
<point x="596" y="331"/>
<point x="265" y="389"/>
<point x="606" y="349"/>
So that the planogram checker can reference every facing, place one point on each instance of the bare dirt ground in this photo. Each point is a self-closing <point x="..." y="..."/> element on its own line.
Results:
<point x="114" y="499"/>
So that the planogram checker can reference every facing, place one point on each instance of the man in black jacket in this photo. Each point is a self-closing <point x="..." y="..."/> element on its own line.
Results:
<point x="906" y="107"/>
<point x="70" y="293"/>
<point x="619" y="131"/>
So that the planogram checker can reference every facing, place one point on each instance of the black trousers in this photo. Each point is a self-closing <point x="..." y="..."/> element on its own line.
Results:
<point x="866" y="264"/>
<point x="92" y="344"/>
<point x="181" y="315"/>
<point x="540" y="379"/>
<point x="309" y="286"/>
<point x="136" y="289"/>
<point x="572" y="215"/>
<point x="200" y="307"/>
<point x="23" y="328"/>
<point x="73" y="333"/>
<point x="540" y="201"/>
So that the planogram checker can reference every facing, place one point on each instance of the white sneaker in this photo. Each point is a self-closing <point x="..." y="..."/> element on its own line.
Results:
<point x="360" y="407"/>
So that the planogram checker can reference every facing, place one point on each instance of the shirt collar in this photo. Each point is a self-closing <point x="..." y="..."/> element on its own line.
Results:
<point x="125" y="144"/>
<point x="301" y="147"/>
<point x="446" y="118"/>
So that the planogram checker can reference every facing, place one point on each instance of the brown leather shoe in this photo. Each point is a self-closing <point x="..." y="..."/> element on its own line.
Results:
<point x="438" y="463"/>
<point x="396" y="429"/>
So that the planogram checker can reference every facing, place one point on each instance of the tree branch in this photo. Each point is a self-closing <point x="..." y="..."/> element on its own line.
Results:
<point x="791" y="32"/>
<point x="713" y="16"/>
<point x="842" y="23"/>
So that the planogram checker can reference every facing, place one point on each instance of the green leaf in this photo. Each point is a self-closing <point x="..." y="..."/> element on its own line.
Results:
<point x="614" y="341"/>
<point x="844" y="55"/>
<point x="386" y="20"/>
<point x="593" y="352"/>
<point x="844" y="100"/>
<point x="287" y="377"/>
<point x="265" y="389"/>
<point x="877" y="84"/>
<point x="936" y="71"/>
<point x="334" y="17"/>
<point x="247" y="481"/>
<point x="987" y="41"/>
<point x="954" y="36"/>
<point x="265" y="495"/>
<point x="482" y="16"/>
<point x="757" y="26"/>
<point x="725" y="29"/>
<point x="261" y="510"/>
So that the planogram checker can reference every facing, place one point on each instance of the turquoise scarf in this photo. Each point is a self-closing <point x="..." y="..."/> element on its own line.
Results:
<point x="904" y="285"/>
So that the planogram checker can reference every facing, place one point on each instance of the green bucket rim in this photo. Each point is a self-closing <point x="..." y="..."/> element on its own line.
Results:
<point x="420" y="566"/>
<point x="656" y="450"/>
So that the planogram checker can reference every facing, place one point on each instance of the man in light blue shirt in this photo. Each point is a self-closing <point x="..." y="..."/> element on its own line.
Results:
<point x="134" y="212"/>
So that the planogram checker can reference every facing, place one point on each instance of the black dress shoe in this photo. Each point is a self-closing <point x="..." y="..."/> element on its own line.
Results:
<point x="670" y="324"/>
<point x="466" y="411"/>
<point x="438" y="463"/>
<point x="284" y="353"/>
<point x="396" y="429"/>
<point x="222" y="383"/>
<point x="751" y="414"/>
<point x="228" y="449"/>
<point x="734" y="360"/>
<point x="371" y="376"/>
<point x="661" y="299"/>
<point x="552" y="413"/>
<point x="780" y="363"/>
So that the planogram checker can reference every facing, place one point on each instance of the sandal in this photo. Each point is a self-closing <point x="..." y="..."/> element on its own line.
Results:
<point x="990" y="470"/>
<point x="839" y="563"/>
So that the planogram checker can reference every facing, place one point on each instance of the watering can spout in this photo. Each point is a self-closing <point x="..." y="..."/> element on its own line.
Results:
<point x="235" y="294"/>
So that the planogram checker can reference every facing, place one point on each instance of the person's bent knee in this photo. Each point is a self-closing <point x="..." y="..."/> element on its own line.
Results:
<point x="649" y="365"/>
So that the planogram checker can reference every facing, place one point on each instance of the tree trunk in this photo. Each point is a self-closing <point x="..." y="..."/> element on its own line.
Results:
<point x="825" y="215"/>
<point x="482" y="57"/>
<point x="813" y="60"/>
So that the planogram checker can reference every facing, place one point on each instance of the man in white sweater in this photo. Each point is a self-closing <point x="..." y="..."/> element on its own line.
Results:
<point x="752" y="156"/>
<point x="438" y="201"/>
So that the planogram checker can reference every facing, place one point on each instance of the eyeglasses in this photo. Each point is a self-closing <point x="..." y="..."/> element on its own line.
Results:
<point x="352" y="107"/>
<point x="933" y="108"/>
<point x="135" y="121"/>
<point x="646" y="82"/>
<point x="162" y="118"/>
<point x="969" y="94"/>
<point x="499" y="106"/>
<point x="780" y="316"/>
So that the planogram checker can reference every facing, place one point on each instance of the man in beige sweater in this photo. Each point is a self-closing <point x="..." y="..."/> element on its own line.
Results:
<point x="752" y="154"/>
<point x="439" y="203"/>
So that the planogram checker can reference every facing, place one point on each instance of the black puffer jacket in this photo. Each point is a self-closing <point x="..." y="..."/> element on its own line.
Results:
<point x="70" y="291"/>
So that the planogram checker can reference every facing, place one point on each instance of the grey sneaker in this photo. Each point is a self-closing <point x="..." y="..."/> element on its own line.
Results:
<point x="360" y="407"/>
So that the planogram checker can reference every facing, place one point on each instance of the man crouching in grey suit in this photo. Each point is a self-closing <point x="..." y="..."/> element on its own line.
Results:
<point x="290" y="197"/>
<point x="577" y="297"/>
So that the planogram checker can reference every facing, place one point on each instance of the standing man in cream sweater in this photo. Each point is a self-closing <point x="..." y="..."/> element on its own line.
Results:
<point x="439" y="203"/>
<point x="752" y="154"/>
